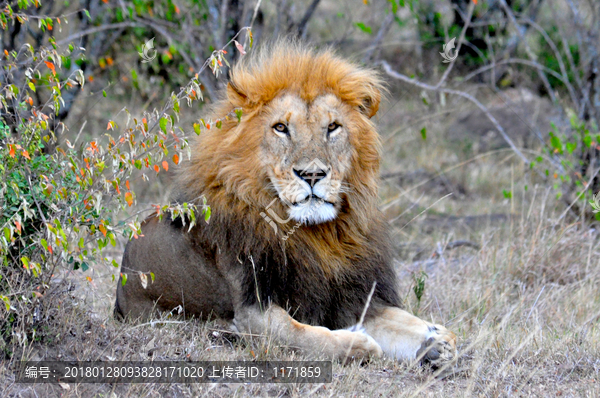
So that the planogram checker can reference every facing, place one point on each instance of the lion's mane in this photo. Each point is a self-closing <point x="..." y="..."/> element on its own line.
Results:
<point x="331" y="266"/>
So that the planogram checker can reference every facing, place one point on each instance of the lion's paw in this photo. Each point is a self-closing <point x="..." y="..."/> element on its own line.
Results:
<point x="355" y="346"/>
<point x="439" y="348"/>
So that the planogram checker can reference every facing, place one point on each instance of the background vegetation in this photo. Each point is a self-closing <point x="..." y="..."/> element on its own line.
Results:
<point x="490" y="164"/>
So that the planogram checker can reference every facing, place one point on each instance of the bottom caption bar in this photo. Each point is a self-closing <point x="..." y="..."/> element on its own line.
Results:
<point x="175" y="372"/>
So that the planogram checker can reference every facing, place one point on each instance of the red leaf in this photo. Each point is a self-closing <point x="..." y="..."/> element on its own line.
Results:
<point x="176" y="159"/>
<point x="156" y="168"/>
<point x="165" y="165"/>
<point x="51" y="66"/>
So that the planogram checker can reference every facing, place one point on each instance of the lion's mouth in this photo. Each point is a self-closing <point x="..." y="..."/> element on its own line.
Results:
<point x="310" y="198"/>
<point x="313" y="210"/>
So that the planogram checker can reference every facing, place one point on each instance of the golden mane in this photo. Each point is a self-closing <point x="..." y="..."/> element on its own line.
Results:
<point x="226" y="169"/>
<point x="238" y="268"/>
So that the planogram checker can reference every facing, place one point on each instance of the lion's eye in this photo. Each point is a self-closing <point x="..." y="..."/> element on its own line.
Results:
<point x="332" y="127"/>
<point x="281" y="128"/>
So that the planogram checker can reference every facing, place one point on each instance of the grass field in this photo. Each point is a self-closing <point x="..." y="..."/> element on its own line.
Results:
<point x="513" y="276"/>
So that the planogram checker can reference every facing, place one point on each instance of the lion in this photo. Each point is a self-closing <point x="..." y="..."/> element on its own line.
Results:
<point x="296" y="247"/>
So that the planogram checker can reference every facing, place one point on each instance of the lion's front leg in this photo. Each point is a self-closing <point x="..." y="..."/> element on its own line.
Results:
<point x="405" y="337"/>
<point x="277" y="323"/>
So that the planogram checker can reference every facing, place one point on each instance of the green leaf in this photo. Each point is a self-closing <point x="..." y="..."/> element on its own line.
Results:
<point x="6" y="302"/>
<point x="197" y="128"/>
<point x="31" y="86"/>
<point x="87" y="13"/>
<point x="238" y="114"/>
<point x="556" y="142"/>
<point x="104" y="93"/>
<point x="507" y="194"/>
<point x="123" y="279"/>
<point x="163" y="124"/>
<point x="114" y="264"/>
<point x="152" y="276"/>
<point x="219" y="124"/>
<point x="207" y="213"/>
<point x="81" y="242"/>
<point x="424" y="133"/>
<point x="364" y="28"/>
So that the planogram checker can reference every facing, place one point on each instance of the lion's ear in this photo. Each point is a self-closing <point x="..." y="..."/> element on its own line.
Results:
<point x="234" y="94"/>
<point x="370" y="102"/>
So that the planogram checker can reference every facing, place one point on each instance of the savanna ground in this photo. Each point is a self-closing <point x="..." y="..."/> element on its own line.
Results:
<point x="497" y="257"/>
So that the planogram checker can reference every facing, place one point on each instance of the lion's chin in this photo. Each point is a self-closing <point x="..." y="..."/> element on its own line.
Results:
<point x="313" y="212"/>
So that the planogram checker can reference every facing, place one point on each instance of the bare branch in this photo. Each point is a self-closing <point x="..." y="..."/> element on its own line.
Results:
<point x="437" y="88"/>
<point x="385" y="27"/>
<point x="97" y="29"/>
<point x="528" y="50"/>
<point x="307" y="15"/>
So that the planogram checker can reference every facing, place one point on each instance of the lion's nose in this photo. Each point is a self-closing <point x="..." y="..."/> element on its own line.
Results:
<point x="311" y="176"/>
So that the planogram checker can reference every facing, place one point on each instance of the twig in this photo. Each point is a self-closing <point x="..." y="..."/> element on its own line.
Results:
<point x="369" y="297"/>
<point x="387" y="68"/>
<point x="459" y="243"/>
<point x="535" y="302"/>
<point x="528" y="50"/>
<point x="307" y="15"/>
<point x="459" y="45"/>
<point x="252" y="21"/>
<point x="577" y="196"/>
<point x="97" y="29"/>
<point x="557" y="56"/>
<point x="157" y="322"/>
<point x="385" y="26"/>
<point x="362" y="318"/>
<point x="429" y="207"/>
<point x="515" y="61"/>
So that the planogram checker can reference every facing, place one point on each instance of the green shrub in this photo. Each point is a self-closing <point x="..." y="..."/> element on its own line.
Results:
<point x="62" y="202"/>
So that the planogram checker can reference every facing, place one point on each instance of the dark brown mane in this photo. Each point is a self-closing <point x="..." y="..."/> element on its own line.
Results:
<point x="225" y="168"/>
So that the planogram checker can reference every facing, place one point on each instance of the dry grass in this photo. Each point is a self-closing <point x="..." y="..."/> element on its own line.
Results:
<point x="525" y="304"/>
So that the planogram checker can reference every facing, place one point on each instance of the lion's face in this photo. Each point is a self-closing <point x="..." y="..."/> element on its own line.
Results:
<point x="304" y="144"/>
<point x="306" y="151"/>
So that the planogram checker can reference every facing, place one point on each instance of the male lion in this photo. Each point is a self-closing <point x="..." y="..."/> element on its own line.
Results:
<point x="305" y="148"/>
